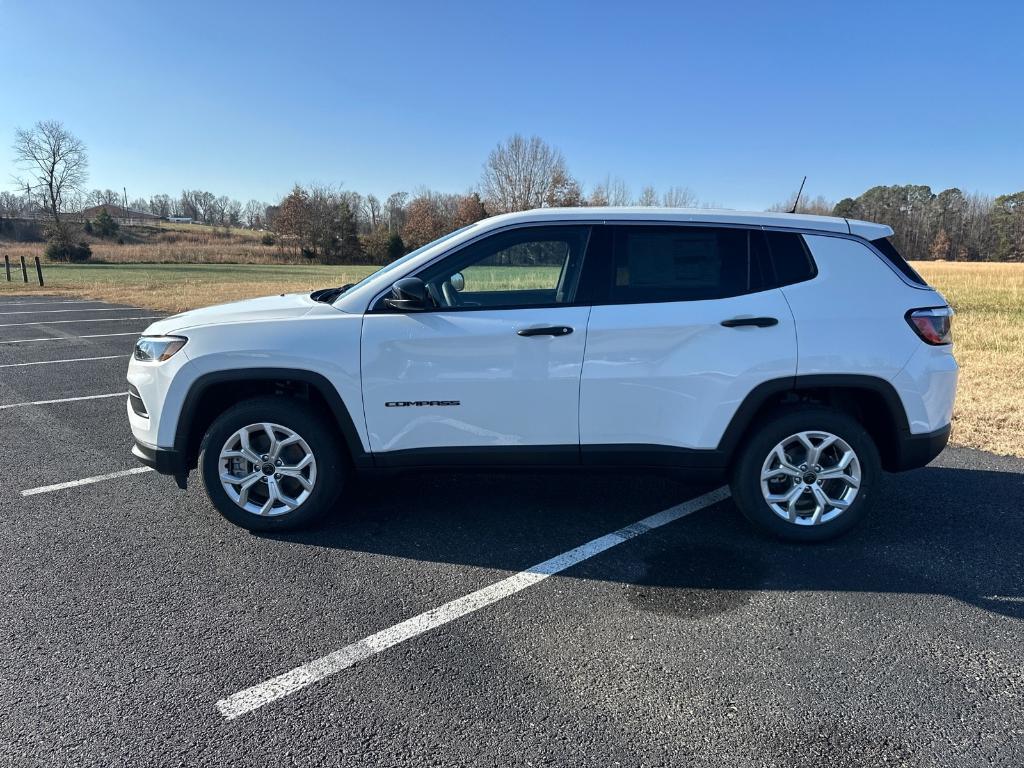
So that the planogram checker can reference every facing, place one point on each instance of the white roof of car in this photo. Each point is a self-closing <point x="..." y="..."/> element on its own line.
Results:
<point x="865" y="229"/>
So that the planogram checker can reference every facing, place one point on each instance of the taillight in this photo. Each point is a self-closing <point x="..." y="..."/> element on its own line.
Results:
<point x="934" y="324"/>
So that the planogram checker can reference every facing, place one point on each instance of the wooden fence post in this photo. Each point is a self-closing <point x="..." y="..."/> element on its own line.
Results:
<point x="24" y="269"/>
<point x="7" y="266"/>
<point x="39" y="272"/>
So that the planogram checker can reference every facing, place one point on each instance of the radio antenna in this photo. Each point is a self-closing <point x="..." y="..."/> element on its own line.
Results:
<point x="799" y="192"/>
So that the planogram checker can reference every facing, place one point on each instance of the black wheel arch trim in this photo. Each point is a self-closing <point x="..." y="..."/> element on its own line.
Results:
<point x="319" y="382"/>
<point x="762" y="393"/>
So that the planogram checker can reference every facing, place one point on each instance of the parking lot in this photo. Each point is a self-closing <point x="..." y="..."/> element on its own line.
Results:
<point x="478" y="619"/>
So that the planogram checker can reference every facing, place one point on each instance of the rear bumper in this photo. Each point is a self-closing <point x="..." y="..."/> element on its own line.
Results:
<point x="163" y="460"/>
<point x="915" y="451"/>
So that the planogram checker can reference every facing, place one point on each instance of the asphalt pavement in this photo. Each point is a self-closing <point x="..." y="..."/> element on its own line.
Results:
<point x="131" y="608"/>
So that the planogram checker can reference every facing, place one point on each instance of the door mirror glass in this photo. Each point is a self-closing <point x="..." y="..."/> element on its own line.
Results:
<point x="408" y="295"/>
<point x="458" y="281"/>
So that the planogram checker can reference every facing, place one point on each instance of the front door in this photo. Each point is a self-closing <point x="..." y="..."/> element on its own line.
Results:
<point x="491" y="374"/>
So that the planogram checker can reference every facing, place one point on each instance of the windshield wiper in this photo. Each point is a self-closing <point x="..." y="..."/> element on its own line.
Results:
<point x="327" y="295"/>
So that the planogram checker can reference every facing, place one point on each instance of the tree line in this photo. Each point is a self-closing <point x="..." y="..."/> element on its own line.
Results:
<point x="335" y="225"/>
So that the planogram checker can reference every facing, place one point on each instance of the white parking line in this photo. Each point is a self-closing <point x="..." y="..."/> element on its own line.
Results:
<point x="85" y="481"/>
<point x="61" y="311"/>
<point x="285" y="684"/>
<point x="89" y="320"/>
<point x="69" y="338"/>
<point x="52" y="301"/>
<point x="63" y="400"/>
<point x="68" y="360"/>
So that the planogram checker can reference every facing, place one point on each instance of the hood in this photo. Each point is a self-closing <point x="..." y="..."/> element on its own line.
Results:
<point x="283" y="307"/>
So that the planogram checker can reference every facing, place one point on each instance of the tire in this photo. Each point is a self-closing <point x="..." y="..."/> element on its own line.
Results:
<point x="304" y="493"/>
<point x="802" y="520"/>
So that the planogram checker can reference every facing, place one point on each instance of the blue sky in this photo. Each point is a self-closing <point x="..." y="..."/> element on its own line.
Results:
<point x="734" y="100"/>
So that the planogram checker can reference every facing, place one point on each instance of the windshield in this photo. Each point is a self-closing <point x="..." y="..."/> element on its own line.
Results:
<point x="399" y="262"/>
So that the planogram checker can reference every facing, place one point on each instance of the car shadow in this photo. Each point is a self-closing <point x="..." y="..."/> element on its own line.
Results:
<point x="939" y="530"/>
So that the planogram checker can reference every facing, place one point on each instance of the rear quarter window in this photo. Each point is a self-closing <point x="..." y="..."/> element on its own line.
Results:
<point x="888" y="250"/>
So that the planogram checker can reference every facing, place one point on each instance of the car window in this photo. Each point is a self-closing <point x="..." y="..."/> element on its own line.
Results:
<point x="893" y="256"/>
<point x="678" y="263"/>
<point x="790" y="257"/>
<point x="518" y="268"/>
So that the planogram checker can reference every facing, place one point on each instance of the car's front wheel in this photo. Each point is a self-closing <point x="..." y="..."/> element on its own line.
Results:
<point x="270" y="464"/>
<point x="806" y="474"/>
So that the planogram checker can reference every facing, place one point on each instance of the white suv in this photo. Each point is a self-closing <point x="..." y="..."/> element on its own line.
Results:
<point x="796" y="356"/>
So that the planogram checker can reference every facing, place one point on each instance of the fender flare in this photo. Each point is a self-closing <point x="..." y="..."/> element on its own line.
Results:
<point x="316" y="381"/>
<point x="762" y="393"/>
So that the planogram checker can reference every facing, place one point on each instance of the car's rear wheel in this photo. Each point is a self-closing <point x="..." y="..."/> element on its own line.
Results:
<point x="806" y="474"/>
<point x="270" y="464"/>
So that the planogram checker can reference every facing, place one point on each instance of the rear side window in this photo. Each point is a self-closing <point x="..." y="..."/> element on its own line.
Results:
<point x="790" y="258"/>
<point x="682" y="264"/>
<point x="893" y="257"/>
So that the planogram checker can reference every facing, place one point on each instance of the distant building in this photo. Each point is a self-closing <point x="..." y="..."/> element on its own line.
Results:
<point x="180" y="219"/>
<point x="121" y="215"/>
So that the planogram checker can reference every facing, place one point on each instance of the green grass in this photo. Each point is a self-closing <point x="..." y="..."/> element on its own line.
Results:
<point x="177" y="287"/>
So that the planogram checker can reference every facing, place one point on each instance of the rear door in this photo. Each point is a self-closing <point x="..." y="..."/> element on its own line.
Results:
<point x="687" y="327"/>
<point x="491" y="375"/>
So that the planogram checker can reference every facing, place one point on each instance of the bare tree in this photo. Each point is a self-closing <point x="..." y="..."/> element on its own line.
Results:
<point x="520" y="173"/>
<point x="160" y="205"/>
<point x="232" y="213"/>
<point x="819" y="206"/>
<point x="598" y="196"/>
<point x="55" y="164"/>
<point x="618" y="191"/>
<point x="373" y="210"/>
<point x="12" y="205"/>
<point x="394" y="210"/>
<point x="679" y="197"/>
<point x="102" y="197"/>
<point x="648" y="197"/>
<point x="254" y="214"/>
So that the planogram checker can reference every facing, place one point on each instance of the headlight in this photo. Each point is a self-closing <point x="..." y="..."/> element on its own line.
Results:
<point x="156" y="349"/>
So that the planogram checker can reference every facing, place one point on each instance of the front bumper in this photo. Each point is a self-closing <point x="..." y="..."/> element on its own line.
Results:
<point x="163" y="460"/>
<point x="914" y="451"/>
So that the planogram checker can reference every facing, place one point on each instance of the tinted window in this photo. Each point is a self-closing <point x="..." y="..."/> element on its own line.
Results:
<point x="893" y="257"/>
<point x="682" y="263"/>
<point x="790" y="257"/>
<point x="518" y="268"/>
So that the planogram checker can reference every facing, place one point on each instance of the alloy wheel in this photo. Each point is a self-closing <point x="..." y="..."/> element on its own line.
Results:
<point x="810" y="478"/>
<point x="267" y="469"/>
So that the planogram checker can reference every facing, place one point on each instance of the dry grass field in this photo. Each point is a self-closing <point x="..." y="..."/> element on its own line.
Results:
<point x="988" y="334"/>
<point x="988" y="330"/>
<point x="172" y="244"/>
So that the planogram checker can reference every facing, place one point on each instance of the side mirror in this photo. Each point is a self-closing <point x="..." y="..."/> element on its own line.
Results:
<point x="457" y="281"/>
<point x="408" y="295"/>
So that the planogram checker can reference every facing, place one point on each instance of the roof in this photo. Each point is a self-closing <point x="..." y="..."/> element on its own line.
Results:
<point x="118" y="211"/>
<point x="865" y="229"/>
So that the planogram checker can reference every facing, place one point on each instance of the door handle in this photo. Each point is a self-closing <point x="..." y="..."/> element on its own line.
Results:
<point x="552" y="330"/>
<point x="757" y="322"/>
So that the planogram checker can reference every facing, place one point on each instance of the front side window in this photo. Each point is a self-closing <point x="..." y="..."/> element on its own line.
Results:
<point x="668" y="263"/>
<point x="525" y="267"/>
